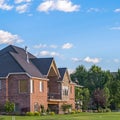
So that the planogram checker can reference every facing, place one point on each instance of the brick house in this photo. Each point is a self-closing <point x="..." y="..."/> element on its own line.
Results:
<point x="30" y="82"/>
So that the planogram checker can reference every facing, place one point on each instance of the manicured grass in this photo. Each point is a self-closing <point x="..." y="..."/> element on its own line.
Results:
<point x="80" y="116"/>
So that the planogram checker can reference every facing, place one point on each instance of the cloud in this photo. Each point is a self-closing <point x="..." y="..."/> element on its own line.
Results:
<point x="76" y="59"/>
<point x="47" y="53"/>
<point x="22" y="8"/>
<point x="60" y="5"/>
<point x="53" y="46"/>
<point x="20" y="1"/>
<point x="92" y="60"/>
<point x="40" y="46"/>
<point x="5" y="6"/>
<point x="45" y="46"/>
<point x="115" y="28"/>
<point x="8" y="38"/>
<point x="117" y="10"/>
<point x="70" y="71"/>
<point x="116" y="60"/>
<point x="67" y="46"/>
<point x="93" y="10"/>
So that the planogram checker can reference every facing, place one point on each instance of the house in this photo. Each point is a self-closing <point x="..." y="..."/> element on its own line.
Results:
<point x="30" y="82"/>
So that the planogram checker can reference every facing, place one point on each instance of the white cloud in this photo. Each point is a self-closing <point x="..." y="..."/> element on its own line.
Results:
<point x="5" y="6"/>
<point x="92" y="60"/>
<point x="47" y="53"/>
<point x="76" y="59"/>
<point x="53" y="46"/>
<point x="60" y="5"/>
<point x="40" y="46"/>
<point x="116" y="60"/>
<point x="115" y="28"/>
<point x="22" y="8"/>
<point x="117" y="10"/>
<point x="8" y="38"/>
<point x="67" y="46"/>
<point x="70" y="71"/>
<point x="93" y="10"/>
<point x="20" y="1"/>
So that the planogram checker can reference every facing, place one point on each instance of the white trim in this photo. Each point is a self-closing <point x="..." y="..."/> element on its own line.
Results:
<point x="31" y="86"/>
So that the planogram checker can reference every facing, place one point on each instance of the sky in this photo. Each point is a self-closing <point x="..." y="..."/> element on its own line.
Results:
<point x="74" y="32"/>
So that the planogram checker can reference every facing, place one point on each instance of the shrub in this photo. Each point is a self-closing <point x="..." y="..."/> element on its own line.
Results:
<point x="66" y="107"/>
<point x="9" y="106"/>
<point x="51" y="113"/>
<point x="108" y="110"/>
<point x="73" y="112"/>
<point x="29" y="113"/>
<point x="36" y="113"/>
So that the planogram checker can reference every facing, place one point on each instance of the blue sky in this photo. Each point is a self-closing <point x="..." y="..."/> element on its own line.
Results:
<point x="74" y="32"/>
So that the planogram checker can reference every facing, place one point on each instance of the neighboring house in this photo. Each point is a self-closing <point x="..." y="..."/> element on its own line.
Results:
<point x="30" y="82"/>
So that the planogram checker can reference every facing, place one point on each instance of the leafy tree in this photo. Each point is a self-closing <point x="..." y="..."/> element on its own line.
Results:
<point x="86" y="98"/>
<point x="99" y="98"/>
<point x="9" y="106"/>
<point x="80" y="74"/>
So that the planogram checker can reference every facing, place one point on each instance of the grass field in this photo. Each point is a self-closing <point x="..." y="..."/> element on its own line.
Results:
<point x="80" y="116"/>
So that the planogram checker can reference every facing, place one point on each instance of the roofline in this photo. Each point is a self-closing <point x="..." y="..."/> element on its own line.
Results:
<point x="20" y="73"/>
<point x="53" y="61"/>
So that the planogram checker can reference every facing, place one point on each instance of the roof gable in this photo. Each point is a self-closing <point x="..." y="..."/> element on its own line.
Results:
<point x="64" y="74"/>
<point x="43" y="64"/>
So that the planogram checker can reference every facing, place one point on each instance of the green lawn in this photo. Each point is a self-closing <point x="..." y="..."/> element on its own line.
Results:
<point x="80" y="116"/>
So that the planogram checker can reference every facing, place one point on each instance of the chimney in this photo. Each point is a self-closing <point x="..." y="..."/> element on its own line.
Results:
<point x="27" y="54"/>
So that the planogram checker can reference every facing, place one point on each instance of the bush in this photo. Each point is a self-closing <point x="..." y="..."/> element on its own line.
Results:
<point x="66" y="107"/>
<point x="29" y="113"/>
<point x="51" y="113"/>
<point x="78" y="111"/>
<point x="108" y="110"/>
<point x="9" y="106"/>
<point x="36" y="113"/>
<point x="73" y="112"/>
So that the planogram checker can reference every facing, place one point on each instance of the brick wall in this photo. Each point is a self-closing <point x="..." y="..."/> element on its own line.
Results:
<point x="39" y="98"/>
<point x="54" y="88"/>
<point x="14" y="95"/>
<point x="3" y="92"/>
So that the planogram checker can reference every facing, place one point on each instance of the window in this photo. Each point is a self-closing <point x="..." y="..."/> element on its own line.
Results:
<point x="36" y="106"/>
<point x="23" y="86"/>
<point x="0" y="84"/>
<point x="41" y="86"/>
<point x="31" y="86"/>
<point x="65" y="90"/>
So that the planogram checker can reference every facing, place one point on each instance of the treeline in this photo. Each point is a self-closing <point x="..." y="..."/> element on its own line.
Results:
<point x="101" y="89"/>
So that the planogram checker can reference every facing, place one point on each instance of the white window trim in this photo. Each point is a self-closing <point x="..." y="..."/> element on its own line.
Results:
<point x="41" y="87"/>
<point x="31" y="86"/>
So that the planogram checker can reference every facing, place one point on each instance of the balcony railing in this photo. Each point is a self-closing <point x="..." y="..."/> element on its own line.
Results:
<point x="54" y="96"/>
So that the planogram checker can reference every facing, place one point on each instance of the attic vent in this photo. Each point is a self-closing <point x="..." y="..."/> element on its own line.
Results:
<point x="27" y="58"/>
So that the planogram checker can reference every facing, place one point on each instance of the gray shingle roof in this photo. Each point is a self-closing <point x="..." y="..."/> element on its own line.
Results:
<point x="43" y="64"/>
<point x="8" y="65"/>
<point x="13" y="59"/>
<point x="62" y="72"/>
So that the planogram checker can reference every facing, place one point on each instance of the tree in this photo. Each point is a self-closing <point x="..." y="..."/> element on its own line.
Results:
<point x="99" y="98"/>
<point x="80" y="74"/>
<point x="86" y="98"/>
<point x="9" y="106"/>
